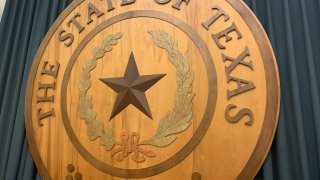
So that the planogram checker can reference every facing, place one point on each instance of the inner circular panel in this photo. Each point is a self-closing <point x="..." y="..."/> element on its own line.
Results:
<point x="200" y="61"/>
<point x="150" y="59"/>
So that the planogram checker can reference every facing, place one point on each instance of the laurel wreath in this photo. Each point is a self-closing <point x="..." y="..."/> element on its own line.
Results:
<point x="179" y="118"/>
<point x="174" y="122"/>
<point x="95" y="128"/>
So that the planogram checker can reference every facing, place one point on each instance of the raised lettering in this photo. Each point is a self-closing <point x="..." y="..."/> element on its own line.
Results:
<point x="41" y="116"/>
<point x="45" y="97"/>
<point x="65" y="37"/>
<point x="93" y="10"/>
<point x="225" y="33"/>
<point x="242" y="86"/>
<point x="75" y="22"/>
<point x="179" y="2"/>
<point x="220" y="13"/>
<point x="52" y="71"/>
<point x="241" y="114"/>
<point x="237" y="61"/>
<point x="110" y="5"/>
<point x="126" y="2"/>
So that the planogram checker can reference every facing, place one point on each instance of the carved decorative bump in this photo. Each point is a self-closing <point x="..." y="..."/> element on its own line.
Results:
<point x="77" y="175"/>
<point x="196" y="176"/>
<point x="70" y="168"/>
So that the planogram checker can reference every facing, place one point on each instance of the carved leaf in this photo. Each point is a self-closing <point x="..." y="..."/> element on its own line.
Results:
<point x="82" y="108"/>
<point x="95" y="50"/>
<point x="106" y="40"/>
<point x="161" y="141"/>
<point x="161" y="39"/>
<point x="173" y="124"/>
<point x="107" y="139"/>
<point x="118" y="35"/>
<point x="95" y="128"/>
<point x="108" y="48"/>
<point x="113" y="42"/>
<point x="91" y="115"/>
<point x="100" y="55"/>
<point x="178" y="119"/>
<point x="84" y="86"/>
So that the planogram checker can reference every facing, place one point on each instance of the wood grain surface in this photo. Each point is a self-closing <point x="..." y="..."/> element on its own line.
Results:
<point x="210" y="148"/>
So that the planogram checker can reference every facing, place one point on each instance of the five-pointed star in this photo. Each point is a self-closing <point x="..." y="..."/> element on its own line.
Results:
<point x="131" y="88"/>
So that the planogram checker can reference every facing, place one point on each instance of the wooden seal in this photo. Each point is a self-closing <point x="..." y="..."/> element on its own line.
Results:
<point x="153" y="89"/>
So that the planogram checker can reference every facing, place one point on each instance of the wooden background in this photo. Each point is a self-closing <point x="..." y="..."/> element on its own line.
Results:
<point x="225" y="149"/>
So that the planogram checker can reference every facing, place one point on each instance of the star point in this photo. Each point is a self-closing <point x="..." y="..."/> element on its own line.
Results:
<point x="131" y="89"/>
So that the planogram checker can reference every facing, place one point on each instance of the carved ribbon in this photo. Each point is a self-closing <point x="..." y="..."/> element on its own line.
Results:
<point x="129" y="144"/>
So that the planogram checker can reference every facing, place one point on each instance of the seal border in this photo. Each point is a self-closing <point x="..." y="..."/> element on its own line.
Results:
<point x="273" y="91"/>
<point x="269" y="61"/>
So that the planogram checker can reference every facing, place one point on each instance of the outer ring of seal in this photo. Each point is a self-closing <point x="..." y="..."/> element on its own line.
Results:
<point x="272" y="79"/>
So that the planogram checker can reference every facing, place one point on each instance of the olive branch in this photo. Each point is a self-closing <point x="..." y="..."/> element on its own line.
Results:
<point x="95" y="128"/>
<point x="179" y="118"/>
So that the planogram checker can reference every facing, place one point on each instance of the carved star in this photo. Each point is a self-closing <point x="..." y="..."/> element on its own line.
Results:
<point x="131" y="89"/>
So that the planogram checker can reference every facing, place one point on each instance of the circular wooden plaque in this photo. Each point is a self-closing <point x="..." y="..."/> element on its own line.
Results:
<point x="158" y="89"/>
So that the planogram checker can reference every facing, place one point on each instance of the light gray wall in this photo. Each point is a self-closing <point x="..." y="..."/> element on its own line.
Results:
<point x="2" y="3"/>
